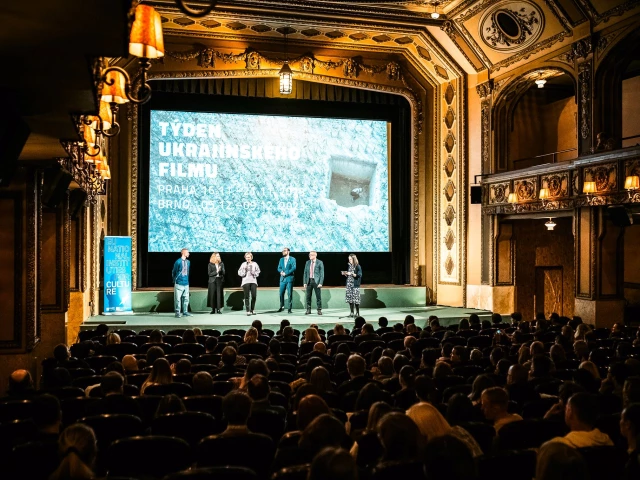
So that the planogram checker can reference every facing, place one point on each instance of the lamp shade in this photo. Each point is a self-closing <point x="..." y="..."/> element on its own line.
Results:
<point x="89" y="137"/>
<point x="632" y="182"/>
<point x="146" y="39"/>
<point x="543" y="194"/>
<point x="286" y="79"/>
<point x="104" y="119"/>
<point x="116" y="92"/>
<point x="550" y="224"/>
<point x="589" y="187"/>
<point x="513" y="198"/>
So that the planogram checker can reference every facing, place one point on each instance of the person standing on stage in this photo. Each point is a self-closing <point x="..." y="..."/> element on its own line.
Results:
<point x="180" y="276"/>
<point x="249" y="272"/>
<point x="354" y="278"/>
<point x="312" y="280"/>
<point x="215" y="295"/>
<point x="286" y="269"/>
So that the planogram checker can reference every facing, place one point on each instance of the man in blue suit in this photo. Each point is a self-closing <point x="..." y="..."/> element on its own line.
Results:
<point x="286" y="269"/>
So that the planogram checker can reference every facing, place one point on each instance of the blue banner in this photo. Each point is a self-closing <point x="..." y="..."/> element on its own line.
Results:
<point x="117" y="275"/>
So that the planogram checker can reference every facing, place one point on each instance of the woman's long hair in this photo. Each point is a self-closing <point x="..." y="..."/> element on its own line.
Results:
<point x="215" y="256"/>
<point x="251" y="336"/>
<point x="355" y="259"/>
<point x="160" y="374"/>
<point x="311" y="335"/>
<point x="78" y="449"/>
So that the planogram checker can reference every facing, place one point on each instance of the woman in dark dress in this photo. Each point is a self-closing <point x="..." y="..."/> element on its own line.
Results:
<point x="354" y="277"/>
<point x="215" y="296"/>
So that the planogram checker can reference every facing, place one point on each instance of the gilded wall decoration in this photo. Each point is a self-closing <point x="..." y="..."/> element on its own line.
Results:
<point x="557" y="183"/>
<point x="575" y="183"/>
<point x="449" y="166"/>
<point x="606" y="41"/>
<point x="449" y="117"/>
<point x="485" y="120"/>
<point x="449" y="239"/>
<point x="499" y="192"/>
<point x="526" y="189"/>
<point x="511" y="26"/>
<point x="449" y="264"/>
<point x="632" y="168"/>
<point x="450" y="215"/>
<point x="584" y="80"/>
<point x="607" y="14"/>
<point x="605" y="177"/>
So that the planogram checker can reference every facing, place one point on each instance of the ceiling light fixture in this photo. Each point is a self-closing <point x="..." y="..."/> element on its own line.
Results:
<point x="285" y="73"/>
<point x="540" y="82"/>
<point x="196" y="13"/>
<point x="550" y="224"/>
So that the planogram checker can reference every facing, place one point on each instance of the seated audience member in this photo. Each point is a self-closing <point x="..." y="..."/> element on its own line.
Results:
<point x="153" y="354"/>
<point x="367" y="334"/>
<point x="356" y="367"/>
<point x="476" y="355"/>
<point x="59" y="377"/>
<point x="288" y="335"/>
<point x="581" y="332"/>
<point x="358" y="323"/>
<point x="323" y="431"/>
<point x="236" y="408"/>
<point x="557" y="461"/>
<point x="518" y="387"/>
<point x="113" y="400"/>
<point x="474" y="321"/>
<point x="170" y="404"/>
<point x="536" y="348"/>
<point x="459" y="354"/>
<point x="333" y="463"/>
<point x="78" y="448"/>
<point x="258" y="389"/>
<point x="541" y="370"/>
<point x="412" y="329"/>
<point x="434" y="324"/>
<point x="130" y="363"/>
<point x="319" y="351"/>
<point x="581" y="414"/>
<point x="383" y="323"/>
<point x="384" y="369"/>
<point x="581" y="350"/>
<point x="630" y="428"/>
<point x="228" y="360"/>
<point x="516" y="318"/>
<point x="255" y="367"/>
<point x="408" y="342"/>
<point x="198" y="332"/>
<point x="251" y="335"/>
<point x="63" y="356"/>
<point x="558" y="356"/>
<point x="189" y="336"/>
<point x="321" y="380"/>
<point x="47" y="416"/>
<point x="464" y="325"/>
<point x="113" y="339"/>
<point x="257" y="324"/>
<point x="617" y="374"/>
<point x="202" y="383"/>
<point x="181" y="367"/>
<point x="283" y="324"/>
<point x="20" y="384"/>
<point x="240" y="359"/>
<point x="160" y="375"/>
<point x="210" y="345"/>
<point x="495" y="404"/>
<point x="400" y="438"/>
<point x="398" y="328"/>
<point x="406" y="396"/>
<point x="502" y="368"/>
<point x="409" y="320"/>
<point x="631" y="391"/>
<point x="155" y="336"/>
<point x="480" y="384"/>
<point x="449" y="458"/>
<point x="496" y="320"/>
<point x="310" y="407"/>
<point x="425" y="389"/>
<point x="367" y="450"/>
<point x="392" y="385"/>
<point x="566" y="391"/>
<point x="338" y="329"/>
<point x="460" y="410"/>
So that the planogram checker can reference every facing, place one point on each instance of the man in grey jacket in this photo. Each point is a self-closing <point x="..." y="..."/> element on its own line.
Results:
<point x="313" y="279"/>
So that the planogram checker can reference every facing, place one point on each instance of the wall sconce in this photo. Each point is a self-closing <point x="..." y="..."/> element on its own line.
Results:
<point x="543" y="195"/>
<point x="631" y="184"/>
<point x="540" y="82"/>
<point x="589" y="189"/>
<point x="550" y="224"/>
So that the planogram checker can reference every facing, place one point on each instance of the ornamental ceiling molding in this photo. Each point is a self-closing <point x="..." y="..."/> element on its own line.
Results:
<point x="511" y="91"/>
<point x="606" y="15"/>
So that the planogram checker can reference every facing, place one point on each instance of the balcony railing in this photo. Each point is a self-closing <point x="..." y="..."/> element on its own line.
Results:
<point x="533" y="161"/>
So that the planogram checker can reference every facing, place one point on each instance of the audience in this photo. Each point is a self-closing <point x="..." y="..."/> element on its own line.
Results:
<point x="557" y="461"/>
<point x="78" y="450"/>
<point x="495" y="405"/>
<point x="581" y="414"/>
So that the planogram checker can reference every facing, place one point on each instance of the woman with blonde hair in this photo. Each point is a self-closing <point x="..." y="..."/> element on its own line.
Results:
<point x="78" y="449"/>
<point x="311" y="335"/>
<point x="113" y="338"/>
<point x="581" y="331"/>
<point x="354" y="278"/>
<point x="591" y="368"/>
<point x="249" y="271"/>
<point x="160" y="374"/>
<point x="251" y="336"/>
<point x="215" y="292"/>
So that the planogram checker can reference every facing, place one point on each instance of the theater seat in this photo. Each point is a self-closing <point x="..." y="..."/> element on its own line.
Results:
<point x="152" y="456"/>
<point x="100" y="362"/>
<point x="16" y="410"/>
<point x="398" y="470"/>
<point x="252" y="450"/>
<point x="176" y="388"/>
<point x="298" y="472"/>
<point x="529" y="433"/>
<point x="482" y="433"/>
<point x="111" y="427"/>
<point x="211" y="404"/>
<point x="214" y="473"/>
<point x="268" y="423"/>
<point x="189" y="426"/>
<point x="605" y="462"/>
<point x="508" y="465"/>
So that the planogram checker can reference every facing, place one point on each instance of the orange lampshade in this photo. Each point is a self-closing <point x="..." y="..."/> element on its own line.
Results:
<point x="106" y="115"/>
<point x="106" y="173"/>
<point x="632" y="182"/>
<point x="544" y="194"/>
<point x="146" y="33"/>
<point x="589" y="187"/>
<point x="89" y="137"/>
<point x="115" y="93"/>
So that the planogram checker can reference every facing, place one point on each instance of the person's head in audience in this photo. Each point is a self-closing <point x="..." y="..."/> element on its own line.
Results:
<point x="631" y="391"/>
<point x="425" y="388"/>
<point x="400" y="438"/>
<point x="283" y="324"/>
<point x="274" y="347"/>
<point x="441" y="370"/>
<point x="434" y="323"/>
<point x="617" y="374"/>
<point x="334" y="463"/>
<point x="398" y="328"/>
<point x="254" y="367"/>
<point x="142" y="364"/>
<point x="412" y="329"/>
<point x="446" y="350"/>
<point x="312" y="363"/>
<point x="182" y="366"/>
<point x="356" y="366"/>
<point x="320" y="347"/>
<point x="155" y="336"/>
<point x="112" y="384"/>
<point x="630" y="426"/>
<point x="311" y="335"/>
<point x="339" y="329"/>
<point x="376" y="412"/>
<point x="485" y="324"/>
<point x="310" y="406"/>
<point x="464" y="324"/>
<point x="102" y="329"/>
<point x="344" y="348"/>
<point x="376" y="353"/>
<point x="407" y="377"/>
<point x="358" y="323"/>
<point x="287" y="335"/>
<point x="459" y="409"/>
<point x="323" y="431"/>
<point x="202" y="383"/>
<point x="536" y="348"/>
<point x="113" y="339"/>
<point x="408" y="342"/>
<point x="581" y="350"/>
<point x="383" y="322"/>
<point x="496" y="318"/>
<point x="567" y="390"/>
<point x="340" y="362"/>
<point x="516" y="318"/>
<point x="564" y="342"/>
<point x="558" y="461"/>
<point x="474" y="321"/>
<point x="385" y="366"/>
<point x="524" y="354"/>
<point x="251" y="335"/>
<point x="61" y="353"/>
<point x="459" y="354"/>
<point x="518" y="374"/>
<point x="449" y="458"/>
<point x="591" y="368"/>
<point x="496" y="355"/>
<point x="77" y="447"/>
<point x="160" y="373"/>
<point x="367" y="329"/>
<point x="399" y="361"/>
<point x="20" y="383"/>
<point x="229" y="356"/>
<point x="236" y="408"/>
<point x="130" y="363"/>
<point x="557" y="355"/>
<point x="321" y="379"/>
<point x="409" y="320"/>
<point x="581" y="331"/>
<point x="370" y="394"/>
<point x="541" y="366"/>
<point x="153" y="354"/>
<point x="189" y="336"/>
<point x="302" y="391"/>
<point x="502" y="367"/>
<point x="170" y="404"/>
<point x="475" y="355"/>
<point x="233" y="345"/>
<point x="480" y="384"/>
<point x="495" y="403"/>
<point x="210" y="344"/>
<point x="47" y="414"/>
<point x="197" y="332"/>
<point x="258" y="388"/>
<point x="257" y="324"/>
<point x="581" y="412"/>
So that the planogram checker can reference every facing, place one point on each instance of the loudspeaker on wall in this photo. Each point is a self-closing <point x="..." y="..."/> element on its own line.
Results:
<point x="476" y="194"/>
